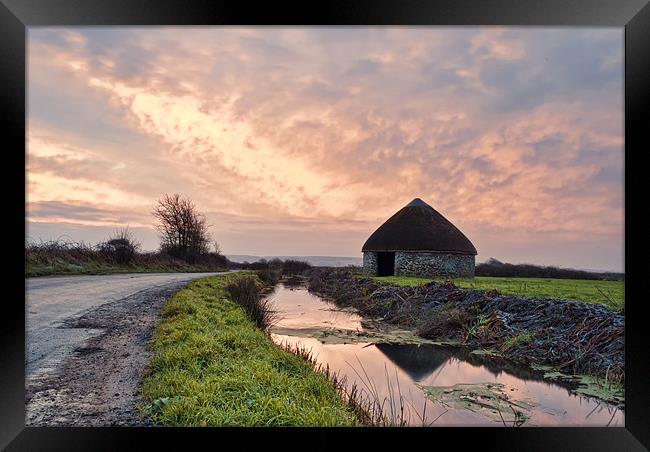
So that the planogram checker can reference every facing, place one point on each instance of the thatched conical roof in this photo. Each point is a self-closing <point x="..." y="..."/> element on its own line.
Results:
<point x="419" y="227"/>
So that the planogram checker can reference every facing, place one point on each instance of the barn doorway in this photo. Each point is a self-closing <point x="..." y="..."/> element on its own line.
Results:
<point x="385" y="264"/>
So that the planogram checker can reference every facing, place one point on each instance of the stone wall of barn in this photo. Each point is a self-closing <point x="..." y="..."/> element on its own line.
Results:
<point x="432" y="264"/>
<point x="370" y="262"/>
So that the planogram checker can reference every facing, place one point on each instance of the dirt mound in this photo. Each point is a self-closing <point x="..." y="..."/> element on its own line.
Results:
<point x="571" y="336"/>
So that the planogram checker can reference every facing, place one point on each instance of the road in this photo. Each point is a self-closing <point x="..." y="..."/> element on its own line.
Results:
<point x="87" y="342"/>
<point x="50" y="301"/>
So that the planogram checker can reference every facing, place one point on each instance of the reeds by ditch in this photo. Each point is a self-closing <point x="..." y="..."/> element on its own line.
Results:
<point x="364" y="399"/>
<point x="245" y="291"/>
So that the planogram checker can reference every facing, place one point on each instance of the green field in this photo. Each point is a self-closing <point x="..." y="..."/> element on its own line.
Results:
<point x="608" y="293"/>
<point x="213" y="367"/>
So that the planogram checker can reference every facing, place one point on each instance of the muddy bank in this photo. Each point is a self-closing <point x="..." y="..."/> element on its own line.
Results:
<point x="569" y="336"/>
<point x="98" y="385"/>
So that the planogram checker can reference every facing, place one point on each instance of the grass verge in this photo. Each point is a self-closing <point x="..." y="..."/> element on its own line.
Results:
<point x="212" y="366"/>
<point x="607" y="293"/>
<point x="118" y="255"/>
<point x="98" y="268"/>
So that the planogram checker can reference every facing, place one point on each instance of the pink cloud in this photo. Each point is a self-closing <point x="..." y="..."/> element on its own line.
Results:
<point x="335" y="129"/>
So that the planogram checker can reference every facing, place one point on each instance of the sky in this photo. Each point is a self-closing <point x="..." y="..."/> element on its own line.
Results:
<point x="302" y="141"/>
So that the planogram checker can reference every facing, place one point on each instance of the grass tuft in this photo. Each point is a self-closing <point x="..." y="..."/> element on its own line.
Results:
<point x="245" y="291"/>
<point x="514" y="341"/>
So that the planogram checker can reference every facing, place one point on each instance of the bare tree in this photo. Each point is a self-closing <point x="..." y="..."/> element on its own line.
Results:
<point x="183" y="230"/>
<point x="217" y="248"/>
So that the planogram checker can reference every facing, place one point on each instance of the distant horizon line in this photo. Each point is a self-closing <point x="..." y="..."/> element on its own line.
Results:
<point x="480" y="262"/>
<point x="360" y="257"/>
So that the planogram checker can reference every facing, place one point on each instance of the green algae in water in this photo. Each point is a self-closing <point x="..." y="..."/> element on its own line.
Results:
<point x="541" y="367"/>
<point x="486" y="399"/>
<point x="485" y="352"/>
<point x="341" y="336"/>
<point x="591" y="386"/>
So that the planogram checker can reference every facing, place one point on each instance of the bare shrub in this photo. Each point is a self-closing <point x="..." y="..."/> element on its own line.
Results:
<point x="268" y="271"/>
<point x="48" y="252"/>
<point x="121" y="248"/>
<point x="494" y="267"/>
<point x="294" y="267"/>
<point x="269" y="276"/>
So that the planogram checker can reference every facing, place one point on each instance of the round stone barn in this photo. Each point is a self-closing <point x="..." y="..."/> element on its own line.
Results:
<point x="418" y="241"/>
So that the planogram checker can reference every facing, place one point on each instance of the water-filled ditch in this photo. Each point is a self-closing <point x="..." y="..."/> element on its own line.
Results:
<point x="435" y="384"/>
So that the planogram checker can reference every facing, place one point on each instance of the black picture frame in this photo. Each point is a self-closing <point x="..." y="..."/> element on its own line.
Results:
<point x="632" y="15"/>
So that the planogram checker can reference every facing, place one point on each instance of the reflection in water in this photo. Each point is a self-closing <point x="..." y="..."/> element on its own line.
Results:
<point x="417" y="361"/>
<point x="401" y="369"/>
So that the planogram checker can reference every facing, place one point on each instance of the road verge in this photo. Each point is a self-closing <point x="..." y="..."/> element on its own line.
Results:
<point x="212" y="366"/>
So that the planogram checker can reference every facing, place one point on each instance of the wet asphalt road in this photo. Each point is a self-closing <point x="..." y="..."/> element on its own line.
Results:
<point x="51" y="302"/>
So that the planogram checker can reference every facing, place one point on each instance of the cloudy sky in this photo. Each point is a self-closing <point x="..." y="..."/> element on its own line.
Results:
<point x="302" y="141"/>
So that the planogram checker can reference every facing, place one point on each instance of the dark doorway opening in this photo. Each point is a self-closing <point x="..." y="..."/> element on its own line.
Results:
<point x="385" y="264"/>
